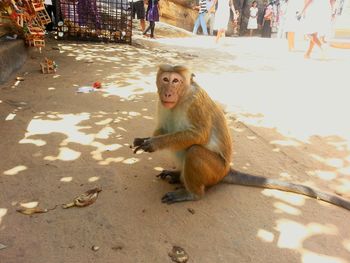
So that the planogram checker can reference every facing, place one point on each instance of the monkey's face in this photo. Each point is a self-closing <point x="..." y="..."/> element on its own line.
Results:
<point x="170" y="89"/>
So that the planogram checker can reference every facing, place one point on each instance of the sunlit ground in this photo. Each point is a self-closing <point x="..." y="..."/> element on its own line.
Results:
<point x="302" y="102"/>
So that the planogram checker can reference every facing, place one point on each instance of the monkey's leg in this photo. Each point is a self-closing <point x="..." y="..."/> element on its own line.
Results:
<point x="179" y="195"/>
<point x="201" y="168"/>
<point x="174" y="176"/>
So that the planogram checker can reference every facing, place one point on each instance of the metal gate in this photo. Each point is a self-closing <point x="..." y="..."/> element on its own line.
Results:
<point x="95" y="20"/>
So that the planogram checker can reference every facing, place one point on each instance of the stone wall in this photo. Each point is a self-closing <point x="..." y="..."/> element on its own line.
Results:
<point x="13" y="54"/>
<point x="178" y="13"/>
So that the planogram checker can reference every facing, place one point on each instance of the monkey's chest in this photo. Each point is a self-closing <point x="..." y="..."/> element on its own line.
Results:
<point x="175" y="122"/>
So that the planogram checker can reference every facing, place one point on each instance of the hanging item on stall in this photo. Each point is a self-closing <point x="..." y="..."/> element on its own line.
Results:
<point x="30" y="17"/>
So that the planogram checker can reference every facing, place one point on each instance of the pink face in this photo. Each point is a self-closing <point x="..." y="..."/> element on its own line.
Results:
<point x="170" y="89"/>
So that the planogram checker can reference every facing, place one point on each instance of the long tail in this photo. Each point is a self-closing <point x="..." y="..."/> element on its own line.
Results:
<point x="239" y="178"/>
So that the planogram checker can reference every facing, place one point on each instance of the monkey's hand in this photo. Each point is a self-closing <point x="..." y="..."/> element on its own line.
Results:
<point x="139" y="141"/>
<point x="145" y="144"/>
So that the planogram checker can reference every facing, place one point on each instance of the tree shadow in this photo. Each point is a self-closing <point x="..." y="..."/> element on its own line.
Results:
<point x="66" y="143"/>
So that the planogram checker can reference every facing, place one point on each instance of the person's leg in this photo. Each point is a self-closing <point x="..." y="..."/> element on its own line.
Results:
<point x="212" y="20"/>
<point x="290" y="37"/>
<point x="55" y="14"/>
<point x="49" y="10"/>
<point x="219" y="35"/>
<point x="196" y="25"/>
<point x="310" y="48"/>
<point x="316" y="40"/>
<point x="203" y="23"/>
<point x="147" y="29"/>
<point x="250" y="32"/>
<point x="152" y="25"/>
<point x="313" y="40"/>
<point x="269" y="30"/>
<point x="141" y="14"/>
<point x="142" y="24"/>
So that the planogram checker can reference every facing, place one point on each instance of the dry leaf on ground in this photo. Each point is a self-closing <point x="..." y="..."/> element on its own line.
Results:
<point x="85" y="199"/>
<point x="178" y="255"/>
<point x="30" y="211"/>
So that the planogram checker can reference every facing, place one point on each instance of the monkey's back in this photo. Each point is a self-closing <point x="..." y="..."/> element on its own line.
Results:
<point x="220" y="132"/>
<point x="204" y="112"/>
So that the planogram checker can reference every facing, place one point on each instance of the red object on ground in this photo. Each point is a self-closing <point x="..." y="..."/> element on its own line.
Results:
<point x="97" y="85"/>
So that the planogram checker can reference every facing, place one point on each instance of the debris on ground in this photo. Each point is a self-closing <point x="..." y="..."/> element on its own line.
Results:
<point x="85" y="89"/>
<point x="97" y="85"/>
<point x="85" y="199"/>
<point x="95" y="248"/>
<point x="120" y="247"/>
<point x="2" y="246"/>
<point x="48" y="66"/>
<point x="178" y="255"/>
<point x="33" y="210"/>
<point x="191" y="210"/>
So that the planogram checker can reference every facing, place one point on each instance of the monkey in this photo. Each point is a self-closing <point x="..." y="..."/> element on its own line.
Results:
<point x="194" y="128"/>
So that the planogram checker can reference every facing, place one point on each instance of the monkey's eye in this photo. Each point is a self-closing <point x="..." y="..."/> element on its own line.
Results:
<point x="175" y="81"/>
<point x="165" y="79"/>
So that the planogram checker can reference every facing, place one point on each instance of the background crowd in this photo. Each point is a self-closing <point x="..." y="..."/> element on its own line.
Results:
<point x="265" y="18"/>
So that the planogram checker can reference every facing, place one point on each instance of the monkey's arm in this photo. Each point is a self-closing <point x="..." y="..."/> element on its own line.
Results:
<point x="198" y="133"/>
<point x="181" y="140"/>
<point x="173" y="141"/>
<point x="159" y="131"/>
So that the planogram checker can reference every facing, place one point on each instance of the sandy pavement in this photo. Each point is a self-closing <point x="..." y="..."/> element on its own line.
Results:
<point x="289" y="120"/>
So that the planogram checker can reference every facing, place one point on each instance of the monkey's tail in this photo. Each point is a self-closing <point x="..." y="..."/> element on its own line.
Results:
<point x="235" y="177"/>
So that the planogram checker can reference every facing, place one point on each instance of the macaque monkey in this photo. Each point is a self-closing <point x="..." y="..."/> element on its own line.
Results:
<point x="194" y="128"/>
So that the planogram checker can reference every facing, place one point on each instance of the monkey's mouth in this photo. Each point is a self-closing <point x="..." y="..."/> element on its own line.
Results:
<point x="168" y="104"/>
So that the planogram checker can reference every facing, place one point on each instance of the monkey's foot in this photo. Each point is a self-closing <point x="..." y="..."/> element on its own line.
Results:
<point x="174" y="176"/>
<point x="180" y="195"/>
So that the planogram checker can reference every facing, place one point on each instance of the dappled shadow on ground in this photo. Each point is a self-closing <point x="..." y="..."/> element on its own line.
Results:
<point x="320" y="162"/>
<point x="325" y="160"/>
<point x="63" y="143"/>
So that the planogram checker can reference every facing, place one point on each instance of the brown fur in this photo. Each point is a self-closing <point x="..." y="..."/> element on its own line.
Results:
<point x="194" y="128"/>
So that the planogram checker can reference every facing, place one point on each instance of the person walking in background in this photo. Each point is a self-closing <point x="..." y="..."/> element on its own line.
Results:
<point x="50" y="6"/>
<point x="253" y="18"/>
<point x="292" y="24"/>
<point x="138" y="10"/>
<point x="326" y="30"/>
<point x="202" y="11"/>
<point x="222" y="17"/>
<point x="282" y="13"/>
<point x="235" y="24"/>
<point x="210" y="17"/>
<point x="266" y="25"/>
<point x="152" y="15"/>
<point x="315" y="13"/>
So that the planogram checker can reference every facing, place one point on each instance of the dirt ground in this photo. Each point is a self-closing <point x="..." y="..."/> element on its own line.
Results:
<point x="289" y="120"/>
